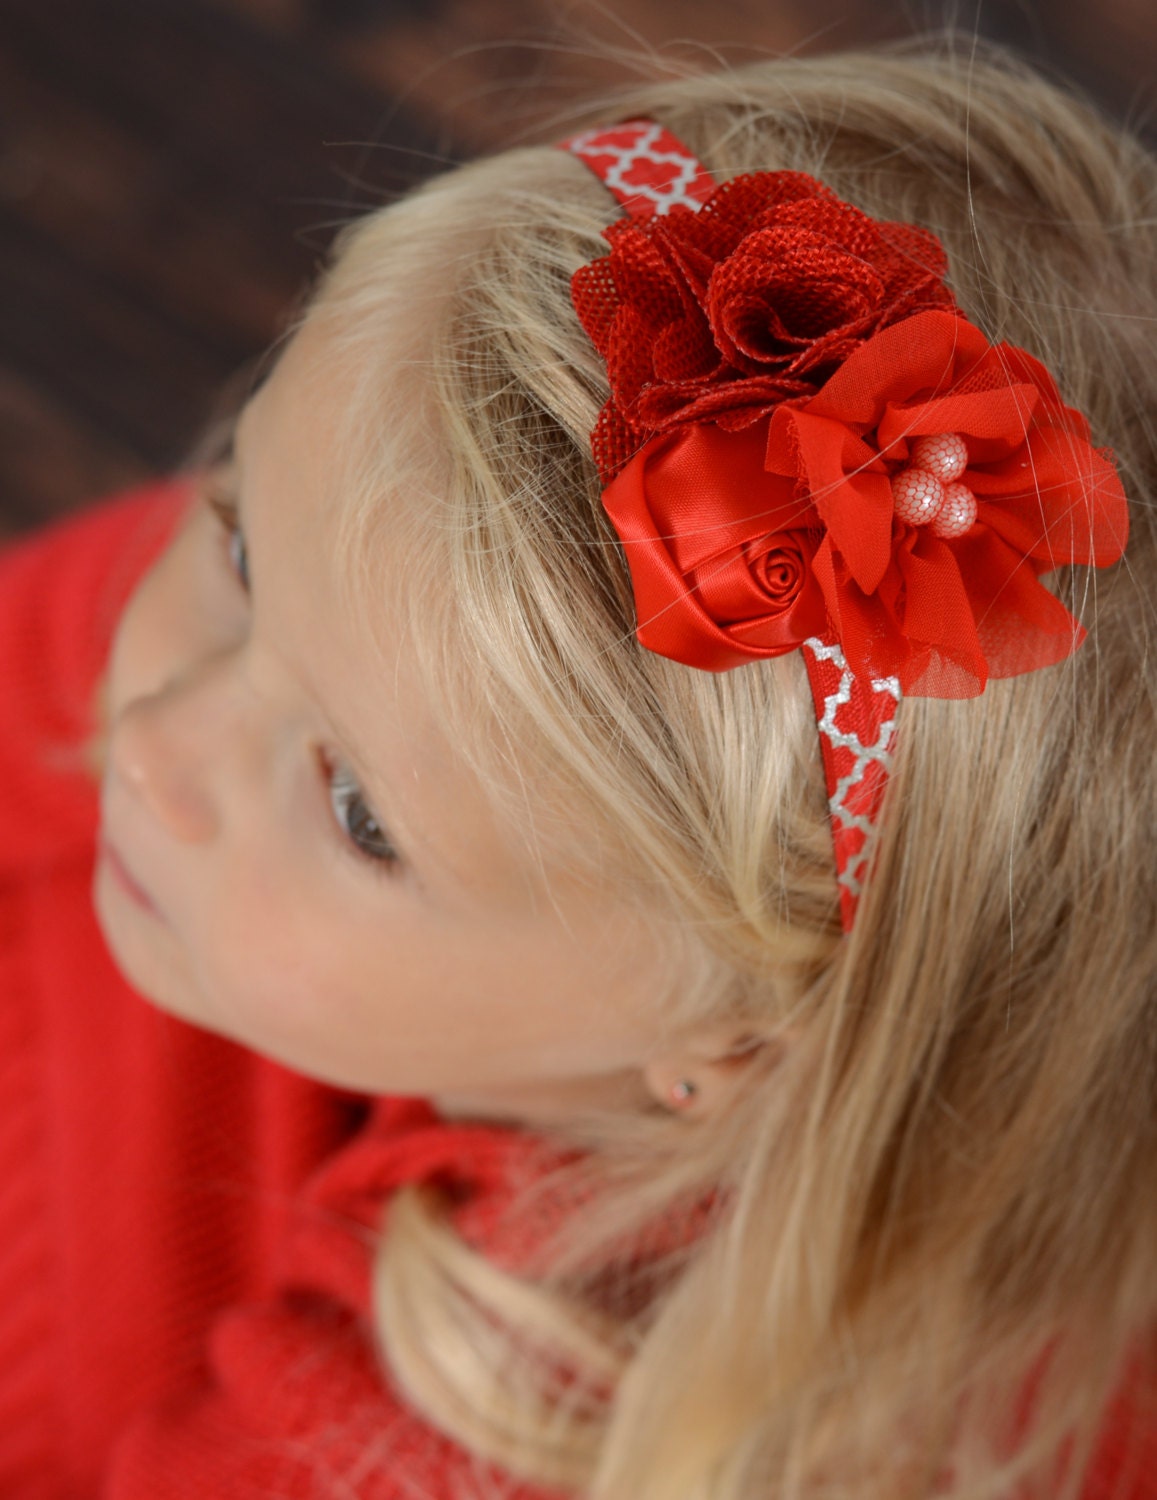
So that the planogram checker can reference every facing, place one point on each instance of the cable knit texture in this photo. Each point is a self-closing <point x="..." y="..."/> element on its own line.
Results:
<point x="186" y="1228"/>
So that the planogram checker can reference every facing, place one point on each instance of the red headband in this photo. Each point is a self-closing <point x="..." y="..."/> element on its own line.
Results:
<point x="807" y="445"/>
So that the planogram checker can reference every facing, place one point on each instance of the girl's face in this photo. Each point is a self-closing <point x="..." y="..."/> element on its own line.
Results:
<point x="292" y="853"/>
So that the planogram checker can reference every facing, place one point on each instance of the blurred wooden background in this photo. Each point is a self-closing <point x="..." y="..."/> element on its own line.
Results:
<point x="172" y="170"/>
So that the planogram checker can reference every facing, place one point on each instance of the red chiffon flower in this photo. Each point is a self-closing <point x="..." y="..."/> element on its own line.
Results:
<point x="743" y="544"/>
<point x="723" y="313"/>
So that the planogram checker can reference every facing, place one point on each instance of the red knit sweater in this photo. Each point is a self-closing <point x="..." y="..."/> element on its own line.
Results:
<point x="185" y="1227"/>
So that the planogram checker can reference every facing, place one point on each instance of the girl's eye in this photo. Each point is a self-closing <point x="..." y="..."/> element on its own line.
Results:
<point x="356" y="819"/>
<point x="224" y="507"/>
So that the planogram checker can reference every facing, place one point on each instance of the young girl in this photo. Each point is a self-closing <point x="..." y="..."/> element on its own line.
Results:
<point x="646" y="897"/>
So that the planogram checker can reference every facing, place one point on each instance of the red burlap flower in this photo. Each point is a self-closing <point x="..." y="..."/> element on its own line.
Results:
<point x="742" y="544"/>
<point x="723" y="313"/>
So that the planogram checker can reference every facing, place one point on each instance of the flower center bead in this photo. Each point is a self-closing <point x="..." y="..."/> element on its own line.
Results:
<point x="942" y="453"/>
<point x="928" y="492"/>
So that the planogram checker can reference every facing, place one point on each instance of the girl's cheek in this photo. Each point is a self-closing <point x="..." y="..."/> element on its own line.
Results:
<point x="258" y="1000"/>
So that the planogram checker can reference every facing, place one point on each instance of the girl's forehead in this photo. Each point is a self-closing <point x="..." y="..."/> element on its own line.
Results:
<point x="346" y="410"/>
<point x="359" y="385"/>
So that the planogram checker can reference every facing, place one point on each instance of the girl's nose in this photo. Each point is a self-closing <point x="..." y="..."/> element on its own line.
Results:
<point x="167" y="748"/>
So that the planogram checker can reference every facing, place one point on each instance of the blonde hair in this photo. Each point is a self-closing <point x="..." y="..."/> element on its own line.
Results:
<point x="942" y="1194"/>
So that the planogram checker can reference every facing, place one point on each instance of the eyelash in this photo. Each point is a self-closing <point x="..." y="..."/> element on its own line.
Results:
<point x="365" y="835"/>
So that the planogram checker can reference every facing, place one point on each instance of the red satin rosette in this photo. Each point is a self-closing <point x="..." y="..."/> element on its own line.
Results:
<point x="744" y="544"/>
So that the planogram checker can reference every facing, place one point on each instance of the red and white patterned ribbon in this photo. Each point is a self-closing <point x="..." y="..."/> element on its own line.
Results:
<point x="646" y="167"/>
<point x="856" y="718"/>
<point x="649" y="171"/>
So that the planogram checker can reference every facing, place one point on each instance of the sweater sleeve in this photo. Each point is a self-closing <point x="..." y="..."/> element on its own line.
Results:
<point x="295" y="1408"/>
<point x="296" y="1402"/>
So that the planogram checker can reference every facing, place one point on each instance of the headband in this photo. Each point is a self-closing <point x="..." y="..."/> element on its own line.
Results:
<point x="808" y="446"/>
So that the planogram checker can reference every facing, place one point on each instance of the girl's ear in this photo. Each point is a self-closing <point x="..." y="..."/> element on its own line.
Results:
<point x="698" y="1074"/>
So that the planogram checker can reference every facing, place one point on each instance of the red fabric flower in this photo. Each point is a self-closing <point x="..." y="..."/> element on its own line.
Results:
<point x="723" y="313"/>
<point x="743" y="544"/>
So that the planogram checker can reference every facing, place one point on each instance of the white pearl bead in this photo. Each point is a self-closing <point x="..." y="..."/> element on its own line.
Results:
<point x="944" y="454"/>
<point x="959" y="513"/>
<point x="917" y="495"/>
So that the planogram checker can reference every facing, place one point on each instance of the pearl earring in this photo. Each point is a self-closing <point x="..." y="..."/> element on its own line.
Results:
<point x="681" y="1093"/>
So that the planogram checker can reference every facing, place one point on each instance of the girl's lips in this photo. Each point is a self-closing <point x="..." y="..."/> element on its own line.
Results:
<point x="124" y="878"/>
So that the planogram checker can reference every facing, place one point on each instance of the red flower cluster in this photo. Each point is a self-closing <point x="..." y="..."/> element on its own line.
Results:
<point x="774" y="361"/>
